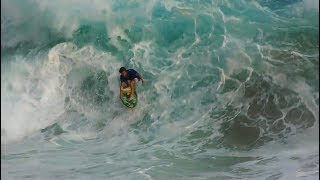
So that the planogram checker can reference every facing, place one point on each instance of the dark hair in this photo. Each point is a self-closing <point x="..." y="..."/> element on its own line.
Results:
<point x="122" y="69"/>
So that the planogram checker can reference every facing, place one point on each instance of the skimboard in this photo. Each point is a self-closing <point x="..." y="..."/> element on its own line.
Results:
<point x="125" y="98"/>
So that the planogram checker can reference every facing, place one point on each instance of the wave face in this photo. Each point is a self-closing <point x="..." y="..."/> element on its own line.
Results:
<point x="232" y="89"/>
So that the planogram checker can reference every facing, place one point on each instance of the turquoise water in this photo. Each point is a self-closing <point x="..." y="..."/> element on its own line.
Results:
<point x="232" y="89"/>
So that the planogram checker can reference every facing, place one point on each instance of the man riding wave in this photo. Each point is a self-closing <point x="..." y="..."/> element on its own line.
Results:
<point x="129" y="78"/>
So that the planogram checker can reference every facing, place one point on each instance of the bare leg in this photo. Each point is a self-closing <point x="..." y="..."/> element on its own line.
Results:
<point x="132" y="86"/>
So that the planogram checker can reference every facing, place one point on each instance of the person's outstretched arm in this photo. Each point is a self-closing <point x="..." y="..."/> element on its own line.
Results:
<point x="139" y="75"/>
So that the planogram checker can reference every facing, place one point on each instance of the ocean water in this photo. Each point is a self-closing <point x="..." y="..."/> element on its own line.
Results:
<point x="231" y="92"/>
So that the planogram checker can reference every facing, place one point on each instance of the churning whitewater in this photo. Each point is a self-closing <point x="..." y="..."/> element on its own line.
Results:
<point x="231" y="92"/>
